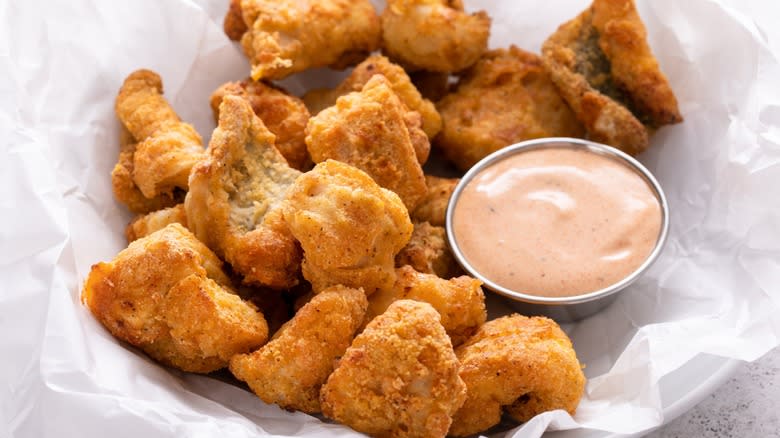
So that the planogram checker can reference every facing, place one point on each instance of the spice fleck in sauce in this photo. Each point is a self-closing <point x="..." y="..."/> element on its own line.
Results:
<point x="556" y="222"/>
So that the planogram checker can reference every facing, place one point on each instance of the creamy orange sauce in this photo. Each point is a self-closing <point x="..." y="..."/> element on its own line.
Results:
<point x="556" y="222"/>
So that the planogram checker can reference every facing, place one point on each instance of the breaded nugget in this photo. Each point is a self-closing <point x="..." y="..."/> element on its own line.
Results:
<point x="167" y="148"/>
<point x="349" y="227"/>
<point x="166" y="294"/>
<point x="433" y="207"/>
<point x="460" y="301"/>
<point x="232" y="205"/>
<point x="147" y="224"/>
<point x="283" y="114"/>
<point x="428" y="252"/>
<point x="527" y="365"/>
<point x="234" y="25"/>
<point x="605" y="70"/>
<point x="504" y="98"/>
<point x="287" y="36"/>
<point x="290" y="370"/>
<point x="399" y="378"/>
<point x="433" y="35"/>
<point x="368" y="130"/>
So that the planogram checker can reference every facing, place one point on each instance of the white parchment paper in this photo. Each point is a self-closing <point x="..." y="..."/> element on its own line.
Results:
<point x="714" y="290"/>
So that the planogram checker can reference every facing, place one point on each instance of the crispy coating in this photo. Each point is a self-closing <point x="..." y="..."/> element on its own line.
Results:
<point x="399" y="378"/>
<point x="147" y="224"/>
<point x="433" y="207"/>
<point x="460" y="301"/>
<point x="234" y="25"/>
<point x="166" y="293"/>
<point x="504" y="98"/>
<point x="368" y="130"/>
<point x="433" y="35"/>
<point x="349" y="227"/>
<point x="606" y="71"/>
<point x="282" y="113"/>
<point x="428" y="252"/>
<point x="167" y="148"/>
<point x="527" y="365"/>
<point x="232" y="205"/>
<point x="288" y="36"/>
<point x="293" y="366"/>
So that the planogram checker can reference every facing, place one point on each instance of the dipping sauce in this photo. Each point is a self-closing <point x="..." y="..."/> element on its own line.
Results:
<point x="556" y="222"/>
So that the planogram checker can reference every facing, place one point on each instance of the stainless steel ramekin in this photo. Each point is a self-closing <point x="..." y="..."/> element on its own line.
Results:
<point x="562" y="309"/>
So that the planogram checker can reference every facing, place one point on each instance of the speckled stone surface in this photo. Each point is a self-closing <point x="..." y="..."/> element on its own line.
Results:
<point x="748" y="405"/>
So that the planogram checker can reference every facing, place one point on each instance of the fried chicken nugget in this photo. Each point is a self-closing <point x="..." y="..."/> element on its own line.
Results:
<point x="293" y="366"/>
<point x="369" y="130"/>
<point x="235" y="192"/>
<point x="166" y="294"/>
<point x="399" y="378"/>
<point x="428" y="252"/>
<point x="606" y="71"/>
<point x="433" y="207"/>
<point x="527" y="365"/>
<point x="504" y="98"/>
<point x="282" y="113"/>
<point x="234" y="25"/>
<point x="167" y="148"/>
<point x="433" y="35"/>
<point x="287" y="36"/>
<point x="349" y="227"/>
<point x="147" y="224"/>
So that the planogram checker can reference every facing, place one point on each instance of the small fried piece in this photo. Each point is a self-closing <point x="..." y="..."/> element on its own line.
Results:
<point x="290" y="370"/>
<point x="147" y="224"/>
<point x="166" y="294"/>
<point x="504" y="98"/>
<point x="399" y="378"/>
<point x="232" y="205"/>
<point x="287" y="36"/>
<point x="433" y="35"/>
<point x="460" y="301"/>
<point x="282" y="113"/>
<point x="234" y="25"/>
<point x="433" y="207"/>
<point x="606" y="71"/>
<point x="428" y="252"/>
<point x="527" y="365"/>
<point x="167" y="148"/>
<point x="349" y="227"/>
<point x="369" y="130"/>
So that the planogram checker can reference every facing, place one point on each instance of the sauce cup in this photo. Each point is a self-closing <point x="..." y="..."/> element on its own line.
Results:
<point x="560" y="308"/>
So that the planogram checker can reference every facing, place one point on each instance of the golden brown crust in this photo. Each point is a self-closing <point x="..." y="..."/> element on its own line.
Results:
<point x="527" y="365"/>
<point x="433" y="207"/>
<point x="428" y="252"/>
<point x="399" y="378"/>
<point x="234" y="25"/>
<point x="147" y="224"/>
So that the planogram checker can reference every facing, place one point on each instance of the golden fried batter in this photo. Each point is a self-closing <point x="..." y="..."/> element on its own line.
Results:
<point x="368" y="130"/>
<point x="290" y="369"/>
<point x="166" y="293"/>
<point x="605" y="70"/>
<point x="433" y="207"/>
<point x="288" y="36"/>
<point x="234" y="195"/>
<point x="433" y="35"/>
<point x="349" y="227"/>
<point x="504" y="98"/>
<point x="283" y="114"/>
<point x="167" y="148"/>
<point x="399" y="378"/>
<point x="234" y="25"/>
<point x="428" y="252"/>
<point x="527" y="365"/>
<point x="147" y="224"/>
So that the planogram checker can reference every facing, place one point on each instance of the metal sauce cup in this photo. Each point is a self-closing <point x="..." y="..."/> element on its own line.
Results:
<point x="562" y="309"/>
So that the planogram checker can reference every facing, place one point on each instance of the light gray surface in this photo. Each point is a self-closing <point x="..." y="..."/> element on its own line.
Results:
<point x="746" y="406"/>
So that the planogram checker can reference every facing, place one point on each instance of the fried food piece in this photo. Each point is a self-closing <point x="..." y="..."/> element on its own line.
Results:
<point x="527" y="365"/>
<point x="232" y="205"/>
<point x="399" y="378"/>
<point x="433" y="207"/>
<point x="167" y="148"/>
<point x="287" y="36"/>
<point x="369" y="130"/>
<point x="433" y="35"/>
<point x="606" y="71"/>
<point x="319" y="99"/>
<point x="349" y="227"/>
<point x="428" y="252"/>
<point x="504" y="98"/>
<point x="290" y="370"/>
<point x="460" y="301"/>
<point x="234" y="25"/>
<point x="166" y="294"/>
<point x="282" y="113"/>
<point x="147" y="224"/>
